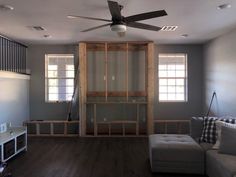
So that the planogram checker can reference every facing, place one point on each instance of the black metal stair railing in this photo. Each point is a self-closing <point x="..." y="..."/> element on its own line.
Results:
<point x="12" y="56"/>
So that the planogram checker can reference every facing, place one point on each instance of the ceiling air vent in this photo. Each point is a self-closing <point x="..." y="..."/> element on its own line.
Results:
<point x="169" y="28"/>
<point x="38" y="28"/>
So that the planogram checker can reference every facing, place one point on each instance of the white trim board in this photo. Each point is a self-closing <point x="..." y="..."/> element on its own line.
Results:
<point x="13" y="75"/>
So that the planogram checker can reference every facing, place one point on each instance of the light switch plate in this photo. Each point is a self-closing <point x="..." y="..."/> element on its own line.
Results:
<point x="3" y="127"/>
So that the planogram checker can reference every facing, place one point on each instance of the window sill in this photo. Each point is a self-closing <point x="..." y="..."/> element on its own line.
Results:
<point x="172" y="101"/>
<point x="53" y="102"/>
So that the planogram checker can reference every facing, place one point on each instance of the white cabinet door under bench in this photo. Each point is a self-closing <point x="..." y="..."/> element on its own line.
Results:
<point x="12" y="142"/>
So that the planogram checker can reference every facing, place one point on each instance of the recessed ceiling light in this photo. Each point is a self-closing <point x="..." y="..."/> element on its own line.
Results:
<point x="5" y="7"/>
<point x="70" y="16"/>
<point x="224" y="6"/>
<point x="169" y="28"/>
<point x="47" y="36"/>
<point x="184" y="35"/>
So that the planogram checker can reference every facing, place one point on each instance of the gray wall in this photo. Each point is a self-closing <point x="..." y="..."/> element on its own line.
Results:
<point x="39" y="109"/>
<point x="220" y="73"/>
<point x="183" y="110"/>
<point x="14" y="101"/>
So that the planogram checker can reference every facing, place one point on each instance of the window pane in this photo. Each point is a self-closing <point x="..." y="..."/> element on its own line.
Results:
<point x="179" y="81"/>
<point x="171" y="89"/>
<point x="69" y="73"/>
<point x="162" y="74"/>
<point x="52" y="73"/>
<point x="162" y="67"/>
<point x="163" y="82"/>
<point x="52" y="82"/>
<point x="171" y="81"/>
<point x="180" y="97"/>
<point x="180" y="67"/>
<point x="52" y="67"/>
<point x="69" y="67"/>
<point x="163" y="89"/>
<point x="53" y="90"/>
<point x="171" y="73"/>
<point x="171" y="97"/>
<point x="171" y="67"/>
<point x="53" y="97"/>
<point x="163" y="97"/>
<point x="69" y="82"/>
<point x="180" y="74"/>
<point x="179" y="89"/>
<point x="69" y="90"/>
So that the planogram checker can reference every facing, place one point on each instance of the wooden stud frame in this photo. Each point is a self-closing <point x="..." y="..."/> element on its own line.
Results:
<point x="148" y="92"/>
<point x="178" y="124"/>
<point x="51" y="129"/>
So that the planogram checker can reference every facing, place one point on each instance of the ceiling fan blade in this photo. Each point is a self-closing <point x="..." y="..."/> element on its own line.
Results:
<point x="115" y="10"/>
<point x="97" y="27"/>
<point x="90" y="18"/>
<point x="143" y="26"/>
<point x="145" y="16"/>
<point x="121" y="34"/>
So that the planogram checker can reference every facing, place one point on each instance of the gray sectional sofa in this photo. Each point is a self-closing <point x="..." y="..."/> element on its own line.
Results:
<point x="184" y="154"/>
<point x="216" y="164"/>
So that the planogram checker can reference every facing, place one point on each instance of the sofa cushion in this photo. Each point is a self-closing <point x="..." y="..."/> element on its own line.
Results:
<point x="173" y="153"/>
<point x="175" y="148"/>
<point x="228" y="140"/>
<point x="220" y="165"/>
<point x="209" y="134"/>
<point x="219" y="125"/>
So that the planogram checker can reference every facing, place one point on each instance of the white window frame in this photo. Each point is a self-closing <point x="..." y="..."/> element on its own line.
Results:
<point x="185" y="79"/>
<point x="47" y="56"/>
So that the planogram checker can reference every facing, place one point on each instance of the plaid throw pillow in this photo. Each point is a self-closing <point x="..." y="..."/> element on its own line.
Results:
<point x="209" y="134"/>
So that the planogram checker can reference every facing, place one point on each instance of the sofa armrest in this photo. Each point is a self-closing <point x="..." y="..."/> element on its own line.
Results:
<point x="196" y="127"/>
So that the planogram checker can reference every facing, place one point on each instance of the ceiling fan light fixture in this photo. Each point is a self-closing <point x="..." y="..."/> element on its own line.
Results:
<point x="118" y="28"/>
<point x="5" y="7"/>
<point x="224" y="6"/>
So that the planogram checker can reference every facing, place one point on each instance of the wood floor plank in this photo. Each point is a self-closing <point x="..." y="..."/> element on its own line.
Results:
<point x="85" y="157"/>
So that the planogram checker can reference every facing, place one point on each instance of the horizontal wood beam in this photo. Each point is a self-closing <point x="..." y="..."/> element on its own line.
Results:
<point x="117" y="94"/>
<point x="112" y="102"/>
<point x="51" y="121"/>
<point x="116" y="46"/>
<point x="171" y="121"/>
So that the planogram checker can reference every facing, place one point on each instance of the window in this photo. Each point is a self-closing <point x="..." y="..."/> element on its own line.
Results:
<point x="59" y="77"/>
<point x="172" y="77"/>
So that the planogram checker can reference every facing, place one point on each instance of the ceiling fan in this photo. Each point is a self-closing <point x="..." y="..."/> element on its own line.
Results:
<point x="119" y="23"/>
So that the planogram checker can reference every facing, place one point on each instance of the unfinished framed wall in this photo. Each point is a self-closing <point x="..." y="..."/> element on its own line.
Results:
<point x="116" y="88"/>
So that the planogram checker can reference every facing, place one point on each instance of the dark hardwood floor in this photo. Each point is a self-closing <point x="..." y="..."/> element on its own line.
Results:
<point x="85" y="157"/>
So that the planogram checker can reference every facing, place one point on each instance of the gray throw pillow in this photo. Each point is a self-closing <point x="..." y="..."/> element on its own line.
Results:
<point x="219" y="124"/>
<point x="228" y="140"/>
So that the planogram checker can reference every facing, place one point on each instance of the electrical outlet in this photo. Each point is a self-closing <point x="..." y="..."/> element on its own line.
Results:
<point x="3" y="127"/>
<point x="104" y="119"/>
<point x="113" y="78"/>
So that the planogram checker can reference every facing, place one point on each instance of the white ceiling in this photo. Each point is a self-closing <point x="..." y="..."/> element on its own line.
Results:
<point x="200" y="19"/>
